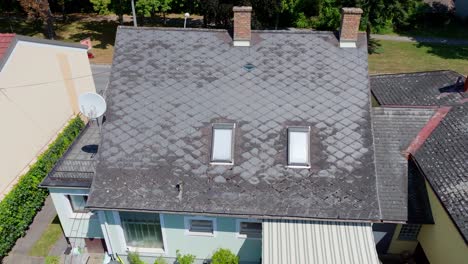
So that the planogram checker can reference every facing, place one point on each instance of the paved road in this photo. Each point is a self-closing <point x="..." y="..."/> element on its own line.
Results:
<point x="101" y="74"/>
<point x="446" y="41"/>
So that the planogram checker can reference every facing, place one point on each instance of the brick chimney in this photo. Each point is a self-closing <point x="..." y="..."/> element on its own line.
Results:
<point x="242" y="25"/>
<point x="350" y="19"/>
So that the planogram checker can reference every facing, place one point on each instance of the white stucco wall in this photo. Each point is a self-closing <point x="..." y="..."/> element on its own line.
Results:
<point x="75" y="225"/>
<point x="40" y="84"/>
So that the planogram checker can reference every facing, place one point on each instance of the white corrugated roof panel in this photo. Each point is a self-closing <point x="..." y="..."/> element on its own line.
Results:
<point x="321" y="242"/>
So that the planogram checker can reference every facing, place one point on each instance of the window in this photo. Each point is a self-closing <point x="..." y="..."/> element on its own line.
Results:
<point x="298" y="146"/>
<point x="222" y="143"/>
<point x="249" y="229"/>
<point x="142" y="230"/>
<point x="78" y="203"/>
<point x="409" y="232"/>
<point x="202" y="226"/>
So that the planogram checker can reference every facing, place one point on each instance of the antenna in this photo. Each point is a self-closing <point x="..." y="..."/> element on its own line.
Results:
<point x="92" y="105"/>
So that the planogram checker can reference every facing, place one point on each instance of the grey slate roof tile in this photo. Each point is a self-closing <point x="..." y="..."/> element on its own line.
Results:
<point x="169" y="85"/>
<point x="434" y="88"/>
<point x="394" y="129"/>
<point x="443" y="160"/>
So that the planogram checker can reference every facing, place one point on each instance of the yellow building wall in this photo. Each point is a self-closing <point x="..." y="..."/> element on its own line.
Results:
<point x="40" y="84"/>
<point x="442" y="243"/>
<point x="399" y="246"/>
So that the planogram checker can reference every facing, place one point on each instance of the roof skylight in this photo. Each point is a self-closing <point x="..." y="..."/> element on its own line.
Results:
<point x="298" y="146"/>
<point x="222" y="143"/>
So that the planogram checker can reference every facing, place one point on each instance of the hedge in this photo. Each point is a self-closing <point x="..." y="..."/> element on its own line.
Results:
<point x="19" y="207"/>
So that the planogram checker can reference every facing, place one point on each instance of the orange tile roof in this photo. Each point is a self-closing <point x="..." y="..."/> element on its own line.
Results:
<point x="5" y="41"/>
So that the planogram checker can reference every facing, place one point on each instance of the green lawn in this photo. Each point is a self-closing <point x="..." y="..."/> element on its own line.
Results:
<point x="395" y="57"/>
<point x="50" y="236"/>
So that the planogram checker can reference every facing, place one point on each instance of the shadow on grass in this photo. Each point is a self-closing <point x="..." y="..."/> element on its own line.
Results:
<point x="445" y="51"/>
<point x="102" y="31"/>
<point x="374" y="46"/>
<point x="21" y="26"/>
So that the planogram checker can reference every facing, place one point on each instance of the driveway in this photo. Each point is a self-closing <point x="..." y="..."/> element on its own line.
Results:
<point x="101" y="74"/>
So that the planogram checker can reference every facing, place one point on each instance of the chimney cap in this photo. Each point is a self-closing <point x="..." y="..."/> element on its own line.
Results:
<point x="351" y="10"/>
<point x="242" y="9"/>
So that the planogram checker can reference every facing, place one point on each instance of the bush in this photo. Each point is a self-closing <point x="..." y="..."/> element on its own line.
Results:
<point x="184" y="259"/>
<point x="20" y="205"/>
<point x="134" y="258"/>
<point x="52" y="260"/>
<point x="160" y="260"/>
<point x="224" y="256"/>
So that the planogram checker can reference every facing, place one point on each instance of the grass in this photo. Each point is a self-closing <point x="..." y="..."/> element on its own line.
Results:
<point x="395" y="57"/>
<point x="50" y="236"/>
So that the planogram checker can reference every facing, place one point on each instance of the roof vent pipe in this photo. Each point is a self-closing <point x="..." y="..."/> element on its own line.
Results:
<point x="242" y="25"/>
<point x="350" y="20"/>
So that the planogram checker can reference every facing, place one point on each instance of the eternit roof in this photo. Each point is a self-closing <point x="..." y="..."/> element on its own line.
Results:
<point x="434" y="88"/>
<point x="168" y="86"/>
<point x="394" y="129"/>
<point x="76" y="167"/>
<point x="443" y="160"/>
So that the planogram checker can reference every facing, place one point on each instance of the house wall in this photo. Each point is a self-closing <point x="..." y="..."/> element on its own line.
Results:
<point x="38" y="98"/>
<point x="399" y="246"/>
<point x="75" y="225"/>
<point x="173" y="229"/>
<point x="461" y="8"/>
<point x="442" y="243"/>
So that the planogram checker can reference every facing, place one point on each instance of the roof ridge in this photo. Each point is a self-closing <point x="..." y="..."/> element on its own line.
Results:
<point x="426" y="131"/>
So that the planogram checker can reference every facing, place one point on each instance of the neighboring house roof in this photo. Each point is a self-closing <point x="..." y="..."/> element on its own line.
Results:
<point x="325" y="242"/>
<point x="168" y="86"/>
<point x="434" y="88"/>
<point x="8" y="43"/>
<point x="5" y="42"/>
<point x="76" y="167"/>
<point x="443" y="160"/>
<point x="394" y="129"/>
<point x="441" y="5"/>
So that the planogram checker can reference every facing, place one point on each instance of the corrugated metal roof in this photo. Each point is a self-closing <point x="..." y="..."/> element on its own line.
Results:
<point x="323" y="242"/>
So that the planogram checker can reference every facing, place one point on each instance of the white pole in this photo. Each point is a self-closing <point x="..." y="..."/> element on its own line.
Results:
<point x="134" y="15"/>
<point x="186" y="15"/>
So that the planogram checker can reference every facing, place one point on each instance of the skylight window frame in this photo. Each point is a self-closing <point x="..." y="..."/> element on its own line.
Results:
<point x="302" y="129"/>
<point x="227" y="126"/>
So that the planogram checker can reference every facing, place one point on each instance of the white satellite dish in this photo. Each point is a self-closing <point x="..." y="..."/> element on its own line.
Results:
<point x="92" y="105"/>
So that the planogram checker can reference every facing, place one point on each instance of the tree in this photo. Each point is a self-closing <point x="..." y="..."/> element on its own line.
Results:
<point x="101" y="6"/>
<point x="164" y="7"/>
<point x="39" y="10"/>
<point x="147" y="7"/>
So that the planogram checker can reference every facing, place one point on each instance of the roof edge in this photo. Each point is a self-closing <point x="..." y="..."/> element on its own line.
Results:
<point x="18" y="38"/>
<point x="426" y="131"/>
<point x="410" y="73"/>
<point x="258" y="216"/>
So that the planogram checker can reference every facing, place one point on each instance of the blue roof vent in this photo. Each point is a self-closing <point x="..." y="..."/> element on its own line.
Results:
<point x="249" y="67"/>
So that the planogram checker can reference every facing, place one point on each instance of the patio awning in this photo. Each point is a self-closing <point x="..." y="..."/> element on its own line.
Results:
<point x="321" y="242"/>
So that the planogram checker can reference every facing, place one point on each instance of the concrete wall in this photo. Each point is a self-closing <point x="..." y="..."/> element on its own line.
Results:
<point x="40" y="84"/>
<point x="175" y="238"/>
<point x="75" y="225"/>
<point x="442" y="243"/>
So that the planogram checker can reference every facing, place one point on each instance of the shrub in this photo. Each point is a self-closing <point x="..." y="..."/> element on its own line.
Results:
<point x="184" y="259"/>
<point x="20" y="205"/>
<point x="224" y="256"/>
<point x="134" y="258"/>
<point x="52" y="260"/>
<point x="160" y="260"/>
